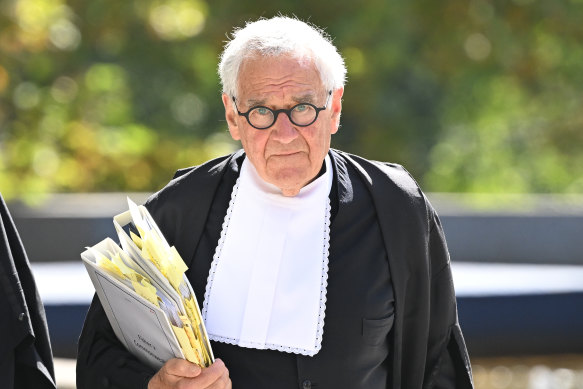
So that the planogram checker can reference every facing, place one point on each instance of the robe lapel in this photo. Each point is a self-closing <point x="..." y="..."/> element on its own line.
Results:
<point x="397" y="201"/>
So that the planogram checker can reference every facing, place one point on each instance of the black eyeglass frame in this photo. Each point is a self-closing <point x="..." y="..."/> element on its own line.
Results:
<point x="288" y="112"/>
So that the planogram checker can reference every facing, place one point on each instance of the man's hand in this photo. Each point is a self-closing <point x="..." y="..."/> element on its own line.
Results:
<point x="181" y="374"/>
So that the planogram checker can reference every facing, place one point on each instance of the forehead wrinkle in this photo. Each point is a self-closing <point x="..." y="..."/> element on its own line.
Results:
<point x="285" y="77"/>
<point x="265" y="81"/>
<point x="280" y="81"/>
<point x="264" y="90"/>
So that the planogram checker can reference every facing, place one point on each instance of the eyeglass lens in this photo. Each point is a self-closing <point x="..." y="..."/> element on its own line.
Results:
<point x="301" y="114"/>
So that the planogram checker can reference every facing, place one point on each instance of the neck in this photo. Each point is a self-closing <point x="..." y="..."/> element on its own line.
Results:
<point x="290" y="192"/>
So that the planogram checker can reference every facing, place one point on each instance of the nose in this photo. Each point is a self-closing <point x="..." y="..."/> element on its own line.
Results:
<point x="283" y="129"/>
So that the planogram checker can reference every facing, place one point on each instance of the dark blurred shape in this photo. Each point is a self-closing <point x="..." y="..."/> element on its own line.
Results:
<point x="26" y="359"/>
<point x="522" y="324"/>
<point x="65" y="323"/>
<point x="59" y="230"/>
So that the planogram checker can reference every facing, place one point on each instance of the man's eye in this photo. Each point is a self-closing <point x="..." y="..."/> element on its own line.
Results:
<point x="262" y="111"/>
<point x="301" y="108"/>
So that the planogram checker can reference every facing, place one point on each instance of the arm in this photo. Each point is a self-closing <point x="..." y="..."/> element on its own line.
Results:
<point x="448" y="364"/>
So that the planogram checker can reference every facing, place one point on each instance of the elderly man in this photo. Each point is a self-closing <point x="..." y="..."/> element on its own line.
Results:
<point x="316" y="268"/>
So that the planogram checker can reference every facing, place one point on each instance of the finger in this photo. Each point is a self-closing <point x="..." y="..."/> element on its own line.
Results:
<point x="181" y="368"/>
<point x="223" y="382"/>
<point x="212" y="374"/>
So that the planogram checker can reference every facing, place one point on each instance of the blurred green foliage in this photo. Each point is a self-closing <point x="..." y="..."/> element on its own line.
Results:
<point x="471" y="96"/>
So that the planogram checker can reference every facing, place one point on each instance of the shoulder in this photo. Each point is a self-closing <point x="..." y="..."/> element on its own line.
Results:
<point x="189" y="182"/>
<point x="181" y="207"/>
<point x="378" y="173"/>
<point x="392" y="187"/>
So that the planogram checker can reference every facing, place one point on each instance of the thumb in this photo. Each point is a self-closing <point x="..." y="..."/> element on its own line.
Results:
<point x="183" y="368"/>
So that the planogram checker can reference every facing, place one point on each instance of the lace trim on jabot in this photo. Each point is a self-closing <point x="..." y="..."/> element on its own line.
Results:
<point x="323" y="285"/>
<point x="219" y="249"/>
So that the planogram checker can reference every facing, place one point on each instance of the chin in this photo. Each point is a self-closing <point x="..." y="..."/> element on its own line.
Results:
<point x="290" y="179"/>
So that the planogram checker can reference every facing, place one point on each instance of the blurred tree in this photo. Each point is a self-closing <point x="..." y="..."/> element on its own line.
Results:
<point x="512" y="119"/>
<point x="479" y="96"/>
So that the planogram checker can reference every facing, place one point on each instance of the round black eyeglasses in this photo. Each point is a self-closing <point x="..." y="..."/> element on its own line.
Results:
<point x="302" y="114"/>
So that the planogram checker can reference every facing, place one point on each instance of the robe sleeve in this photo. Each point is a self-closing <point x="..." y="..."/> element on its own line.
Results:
<point x="448" y="364"/>
<point x="102" y="361"/>
<point x="26" y="358"/>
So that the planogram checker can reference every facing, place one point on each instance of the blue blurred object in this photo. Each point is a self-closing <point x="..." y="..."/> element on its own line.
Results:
<point x="510" y="309"/>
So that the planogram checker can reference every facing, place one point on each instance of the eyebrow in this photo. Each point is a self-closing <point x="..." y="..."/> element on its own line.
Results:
<point x="308" y="97"/>
<point x="255" y="102"/>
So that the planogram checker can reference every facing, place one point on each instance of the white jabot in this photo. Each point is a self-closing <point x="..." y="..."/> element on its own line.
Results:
<point x="267" y="283"/>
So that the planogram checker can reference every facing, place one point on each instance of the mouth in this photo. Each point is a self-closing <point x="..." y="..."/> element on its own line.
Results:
<point x="285" y="153"/>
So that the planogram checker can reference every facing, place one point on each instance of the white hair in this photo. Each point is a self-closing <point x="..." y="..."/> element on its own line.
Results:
<point x="281" y="36"/>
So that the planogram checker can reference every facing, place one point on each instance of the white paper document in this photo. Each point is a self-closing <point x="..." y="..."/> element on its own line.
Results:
<point x="141" y="326"/>
<point x="146" y="296"/>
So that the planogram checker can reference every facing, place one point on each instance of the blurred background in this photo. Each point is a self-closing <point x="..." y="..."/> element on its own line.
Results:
<point x="482" y="101"/>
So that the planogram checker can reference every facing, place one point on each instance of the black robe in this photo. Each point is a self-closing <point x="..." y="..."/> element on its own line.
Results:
<point x="425" y="342"/>
<point x="26" y="359"/>
<point x="359" y="308"/>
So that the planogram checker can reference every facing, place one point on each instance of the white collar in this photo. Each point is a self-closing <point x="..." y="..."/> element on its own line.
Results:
<point x="267" y="284"/>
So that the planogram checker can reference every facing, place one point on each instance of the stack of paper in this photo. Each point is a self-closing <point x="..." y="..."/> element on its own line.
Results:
<point x="145" y="294"/>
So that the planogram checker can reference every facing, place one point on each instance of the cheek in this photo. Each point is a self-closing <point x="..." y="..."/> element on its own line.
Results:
<point x="318" y="141"/>
<point x="254" y="144"/>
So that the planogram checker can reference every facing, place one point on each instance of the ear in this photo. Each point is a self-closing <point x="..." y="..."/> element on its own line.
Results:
<point x="336" y="108"/>
<point x="231" y="116"/>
